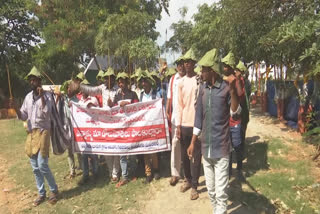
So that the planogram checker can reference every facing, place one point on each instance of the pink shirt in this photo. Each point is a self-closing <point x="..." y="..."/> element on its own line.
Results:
<point x="186" y="99"/>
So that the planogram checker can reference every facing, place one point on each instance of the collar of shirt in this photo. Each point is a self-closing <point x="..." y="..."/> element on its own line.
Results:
<point x="217" y="83"/>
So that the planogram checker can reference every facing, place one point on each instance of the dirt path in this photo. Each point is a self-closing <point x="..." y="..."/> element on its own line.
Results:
<point x="162" y="198"/>
<point x="11" y="201"/>
<point x="170" y="200"/>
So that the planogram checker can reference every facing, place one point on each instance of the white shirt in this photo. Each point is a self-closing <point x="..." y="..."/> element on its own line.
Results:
<point x="174" y="98"/>
<point x="148" y="97"/>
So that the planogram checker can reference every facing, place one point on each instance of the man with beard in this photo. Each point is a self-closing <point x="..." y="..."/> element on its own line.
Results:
<point x="36" y="110"/>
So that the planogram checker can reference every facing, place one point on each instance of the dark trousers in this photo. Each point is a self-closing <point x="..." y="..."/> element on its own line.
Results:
<point x="191" y="167"/>
<point x="236" y="139"/>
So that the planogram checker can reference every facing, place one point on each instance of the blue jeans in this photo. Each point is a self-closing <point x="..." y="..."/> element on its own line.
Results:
<point x="85" y="164"/>
<point x="41" y="170"/>
<point x="237" y="145"/>
<point x="124" y="167"/>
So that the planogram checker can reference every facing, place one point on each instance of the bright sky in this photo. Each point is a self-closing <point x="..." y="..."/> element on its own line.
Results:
<point x="166" y="21"/>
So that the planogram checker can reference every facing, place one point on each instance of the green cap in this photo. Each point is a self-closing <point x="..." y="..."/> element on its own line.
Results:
<point x="100" y="74"/>
<point x="180" y="59"/>
<point x="85" y="82"/>
<point x="64" y="86"/>
<point x="210" y="59"/>
<point x="190" y="55"/>
<point x="81" y="76"/>
<point x="109" y="72"/>
<point x="148" y="76"/>
<point x="198" y="69"/>
<point x="34" y="72"/>
<point x="154" y="73"/>
<point x="137" y="73"/>
<point x="241" y="67"/>
<point x="229" y="60"/>
<point x="122" y="75"/>
<point x="171" y="72"/>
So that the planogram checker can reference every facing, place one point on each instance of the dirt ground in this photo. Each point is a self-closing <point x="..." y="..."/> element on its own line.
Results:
<point x="162" y="198"/>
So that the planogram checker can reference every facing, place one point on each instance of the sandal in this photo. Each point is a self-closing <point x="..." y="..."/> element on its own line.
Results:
<point x="122" y="182"/>
<point x="194" y="194"/>
<point x="114" y="179"/>
<point x="185" y="187"/>
<point x="39" y="200"/>
<point x="174" y="180"/>
<point x="53" y="198"/>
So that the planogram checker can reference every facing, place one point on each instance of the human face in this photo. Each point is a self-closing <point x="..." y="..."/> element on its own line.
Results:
<point x="206" y="73"/>
<point x="122" y="83"/>
<point x="227" y="70"/>
<point x="189" y="66"/>
<point x="112" y="81"/>
<point x="34" y="82"/>
<point x="146" y="85"/>
<point x="181" y="69"/>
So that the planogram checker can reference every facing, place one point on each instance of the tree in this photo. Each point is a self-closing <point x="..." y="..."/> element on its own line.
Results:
<point x="17" y="38"/>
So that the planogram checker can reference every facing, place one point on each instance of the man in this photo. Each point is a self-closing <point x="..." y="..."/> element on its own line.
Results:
<point x="216" y="102"/>
<point x="235" y="123"/>
<point x="123" y="97"/>
<point x="88" y="102"/>
<point x="187" y="88"/>
<point x="245" y="103"/>
<point x="171" y="109"/>
<point x="108" y="91"/>
<point x="151" y="161"/>
<point x="36" y="110"/>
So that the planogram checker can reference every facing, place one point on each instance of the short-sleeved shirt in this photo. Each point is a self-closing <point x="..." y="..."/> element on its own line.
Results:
<point x="212" y="119"/>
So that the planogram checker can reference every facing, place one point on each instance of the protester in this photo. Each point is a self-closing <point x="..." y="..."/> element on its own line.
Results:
<point x="64" y="89"/>
<point x="36" y="110"/>
<point x="235" y="123"/>
<point x="88" y="102"/>
<point x="245" y="104"/>
<point x="216" y="102"/>
<point x="150" y="160"/>
<point x="123" y="97"/>
<point x="171" y="109"/>
<point x="185" y="120"/>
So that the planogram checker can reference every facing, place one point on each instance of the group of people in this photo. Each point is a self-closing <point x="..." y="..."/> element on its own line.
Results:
<point x="208" y="113"/>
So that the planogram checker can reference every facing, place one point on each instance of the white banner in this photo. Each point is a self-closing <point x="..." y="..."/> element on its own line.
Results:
<point x="138" y="128"/>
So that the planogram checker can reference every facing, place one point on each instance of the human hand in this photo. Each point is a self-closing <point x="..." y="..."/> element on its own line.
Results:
<point x="178" y="132"/>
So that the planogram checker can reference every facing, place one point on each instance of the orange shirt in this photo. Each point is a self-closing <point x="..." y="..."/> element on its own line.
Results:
<point x="186" y="99"/>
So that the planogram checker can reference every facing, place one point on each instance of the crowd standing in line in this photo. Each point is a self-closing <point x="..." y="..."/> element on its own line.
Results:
<point x="207" y="111"/>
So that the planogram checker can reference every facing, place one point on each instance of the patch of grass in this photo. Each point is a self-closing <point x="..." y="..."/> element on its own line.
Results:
<point x="280" y="182"/>
<point x="97" y="196"/>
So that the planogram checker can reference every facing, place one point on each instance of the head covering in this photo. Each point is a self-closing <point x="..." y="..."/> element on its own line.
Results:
<point x="64" y="86"/>
<point x="154" y="74"/>
<point x="85" y="82"/>
<point x="136" y="73"/>
<point x="122" y="75"/>
<point x="109" y="72"/>
<point x="171" y="72"/>
<point x="34" y="72"/>
<point x="241" y="67"/>
<point x="211" y="59"/>
<point x="100" y="74"/>
<point x="190" y="55"/>
<point x="229" y="60"/>
<point x="198" y="69"/>
<point x="81" y="76"/>
<point x="147" y="75"/>
<point x="179" y="60"/>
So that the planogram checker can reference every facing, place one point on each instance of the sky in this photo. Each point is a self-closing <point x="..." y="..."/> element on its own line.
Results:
<point x="166" y="21"/>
